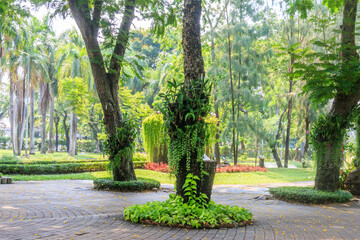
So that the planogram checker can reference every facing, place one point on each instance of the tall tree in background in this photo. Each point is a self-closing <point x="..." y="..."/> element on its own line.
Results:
<point x="107" y="77"/>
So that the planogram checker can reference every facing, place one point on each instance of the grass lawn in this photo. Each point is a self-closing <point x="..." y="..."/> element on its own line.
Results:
<point x="57" y="156"/>
<point x="274" y="175"/>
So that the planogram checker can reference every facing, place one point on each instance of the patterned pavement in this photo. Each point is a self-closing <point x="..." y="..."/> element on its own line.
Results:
<point x="71" y="209"/>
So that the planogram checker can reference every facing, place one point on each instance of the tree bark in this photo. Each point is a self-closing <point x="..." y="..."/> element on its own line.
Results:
<point x="232" y="94"/>
<point x="273" y="145"/>
<point x="66" y="131"/>
<point x="107" y="83"/>
<point x="51" y="125"/>
<point x="57" y="120"/>
<point x="193" y="71"/>
<point x="12" y="113"/>
<point x="73" y="130"/>
<point x="32" y="122"/>
<point x="329" y="160"/>
<point x="44" y="98"/>
<point x="288" y="127"/>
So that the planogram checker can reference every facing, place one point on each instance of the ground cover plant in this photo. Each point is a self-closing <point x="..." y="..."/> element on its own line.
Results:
<point x="173" y="212"/>
<point x="310" y="195"/>
<point x="240" y="168"/>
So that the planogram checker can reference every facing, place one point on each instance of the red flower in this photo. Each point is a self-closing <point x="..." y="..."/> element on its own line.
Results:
<point x="199" y="118"/>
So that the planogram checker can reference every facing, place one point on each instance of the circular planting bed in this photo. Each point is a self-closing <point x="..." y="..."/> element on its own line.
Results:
<point x="174" y="213"/>
<point x="309" y="195"/>
<point x="142" y="184"/>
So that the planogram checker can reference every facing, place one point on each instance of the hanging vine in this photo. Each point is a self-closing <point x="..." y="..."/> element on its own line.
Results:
<point x="155" y="138"/>
<point x="185" y="108"/>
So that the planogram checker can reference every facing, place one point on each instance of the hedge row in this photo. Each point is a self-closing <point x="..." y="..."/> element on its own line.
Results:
<point x="57" y="168"/>
<point x="142" y="184"/>
<point x="309" y="195"/>
<point x="52" y="168"/>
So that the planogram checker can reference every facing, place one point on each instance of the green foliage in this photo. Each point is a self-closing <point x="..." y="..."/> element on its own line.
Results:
<point x="328" y="133"/>
<point x="309" y="195"/>
<point x="85" y="146"/>
<point x="174" y="213"/>
<point x="52" y="168"/>
<point x="190" y="190"/>
<point x="75" y="92"/>
<point x="121" y="145"/>
<point x="184" y="108"/>
<point x="211" y="130"/>
<point x="9" y="159"/>
<point x="140" y="157"/>
<point x="142" y="184"/>
<point x="154" y="136"/>
<point x="349" y="167"/>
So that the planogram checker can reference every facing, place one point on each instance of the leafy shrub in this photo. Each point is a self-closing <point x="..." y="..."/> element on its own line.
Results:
<point x="52" y="168"/>
<point x="85" y="146"/>
<point x="139" y="164"/>
<point x="9" y="159"/>
<point x="63" y="161"/>
<point x="159" y="167"/>
<point x="309" y="195"/>
<point x="140" y="157"/>
<point x="225" y="150"/>
<point x="174" y="213"/>
<point x="240" y="168"/>
<point x="141" y="184"/>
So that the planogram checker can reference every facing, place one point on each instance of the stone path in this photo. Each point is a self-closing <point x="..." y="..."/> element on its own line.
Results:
<point x="72" y="210"/>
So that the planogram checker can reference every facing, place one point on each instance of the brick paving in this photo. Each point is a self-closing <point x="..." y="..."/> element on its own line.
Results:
<point x="73" y="210"/>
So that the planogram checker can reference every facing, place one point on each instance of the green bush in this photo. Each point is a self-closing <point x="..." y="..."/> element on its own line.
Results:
<point x="142" y="184"/>
<point x="174" y="213"/>
<point x="139" y="164"/>
<point x="140" y="157"/>
<point x="309" y="195"/>
<point x="9" y="159"/>
<point x="225" y="150"/>
<point x="63" y="161"/>
<point x="52" y="168"/>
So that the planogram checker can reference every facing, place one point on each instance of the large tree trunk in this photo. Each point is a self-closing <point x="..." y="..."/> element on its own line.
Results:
<point x="51" y="125"/>
<point x="194" y="73"/>
<point x="329" y="157"/>
<point x="107" y="83"/>
<point x="73" y="130"/>
<point x="32" y="122"/>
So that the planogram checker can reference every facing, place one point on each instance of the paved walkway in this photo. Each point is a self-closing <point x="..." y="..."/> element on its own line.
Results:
<point x="72" y="210"/>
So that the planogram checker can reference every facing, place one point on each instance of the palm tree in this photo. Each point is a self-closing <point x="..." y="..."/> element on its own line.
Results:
<point x="72" y="62"/>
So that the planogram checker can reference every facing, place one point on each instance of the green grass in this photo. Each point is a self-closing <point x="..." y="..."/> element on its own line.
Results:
<point x="57" y="156"/>
<point x="274" y="175"/>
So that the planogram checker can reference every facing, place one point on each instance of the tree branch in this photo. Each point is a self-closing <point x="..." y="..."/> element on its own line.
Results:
<point x="122" y="38"/>
<point x="97" y="16"/>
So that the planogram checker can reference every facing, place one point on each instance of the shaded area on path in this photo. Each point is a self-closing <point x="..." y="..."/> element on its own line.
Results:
<point x="70" y="209"/>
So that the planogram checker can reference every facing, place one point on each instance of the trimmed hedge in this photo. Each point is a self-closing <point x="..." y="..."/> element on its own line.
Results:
<point x="309" y="195"/>
<point x="52" y="168"/>
<point x="29" y="162"/>
<point x="141" y="184"/>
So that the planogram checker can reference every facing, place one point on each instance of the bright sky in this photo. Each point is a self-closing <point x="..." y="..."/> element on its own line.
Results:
<point x="60" y="25"/>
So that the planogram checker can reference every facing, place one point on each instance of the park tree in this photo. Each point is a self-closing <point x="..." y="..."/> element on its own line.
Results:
<point x="334" y="77"/>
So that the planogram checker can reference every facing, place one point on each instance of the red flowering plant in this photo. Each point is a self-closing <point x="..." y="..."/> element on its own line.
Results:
<point x="240" y="168"/>
<point x="159" y="167"/>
